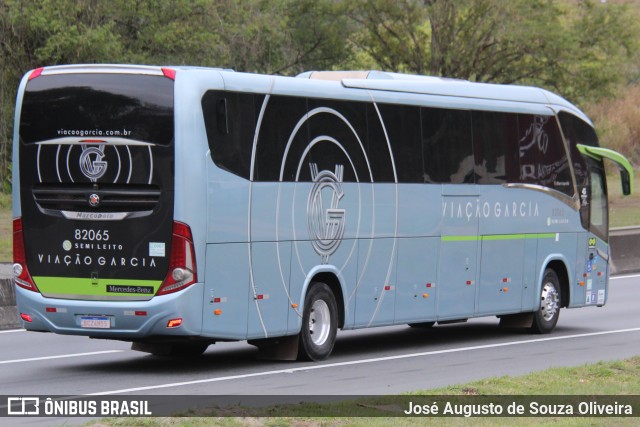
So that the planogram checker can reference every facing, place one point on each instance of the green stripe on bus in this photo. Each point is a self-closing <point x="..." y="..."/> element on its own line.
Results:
<point x="85" y="286"/>
<point x="498" y="237"/>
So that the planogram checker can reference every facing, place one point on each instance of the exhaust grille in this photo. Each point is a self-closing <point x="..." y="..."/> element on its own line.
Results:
<point x="96" y="199"/>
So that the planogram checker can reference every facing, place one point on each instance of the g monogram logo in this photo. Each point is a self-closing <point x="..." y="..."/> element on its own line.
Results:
<point x="326" y="225"/>
<point x="92" y="164"/>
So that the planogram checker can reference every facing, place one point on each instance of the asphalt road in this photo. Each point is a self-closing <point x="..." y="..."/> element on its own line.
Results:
<point x="374" y="361"/>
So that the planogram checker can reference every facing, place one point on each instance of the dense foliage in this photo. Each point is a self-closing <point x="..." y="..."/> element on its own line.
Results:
<point x="583" y="50"/>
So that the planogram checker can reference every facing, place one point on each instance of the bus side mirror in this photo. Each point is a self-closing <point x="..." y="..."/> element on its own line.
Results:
<point x="625" y="180"/>
<point x="626" y="170"/>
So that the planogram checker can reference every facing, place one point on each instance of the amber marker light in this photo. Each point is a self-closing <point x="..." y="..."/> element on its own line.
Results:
<point x="174" y="323"/>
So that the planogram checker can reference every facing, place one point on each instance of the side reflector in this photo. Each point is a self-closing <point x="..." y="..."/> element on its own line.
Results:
<point x="26" y="317"/>
<point x="169" y="73"/>
<point x="35" y="73"/>
<point x="174" y="323"/>
<point x="217" y="312"/>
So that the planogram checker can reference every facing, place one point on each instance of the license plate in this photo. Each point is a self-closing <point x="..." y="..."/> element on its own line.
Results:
<point x="97" y="322"/>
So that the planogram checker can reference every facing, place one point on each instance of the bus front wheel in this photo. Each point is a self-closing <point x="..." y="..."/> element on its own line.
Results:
<point x="319" y="323"/>
<point x="545" y="319"/>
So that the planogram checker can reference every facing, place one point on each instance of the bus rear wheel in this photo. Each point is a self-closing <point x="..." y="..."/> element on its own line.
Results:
<point x="319" y="323"/>
<point x="546" y="318"/>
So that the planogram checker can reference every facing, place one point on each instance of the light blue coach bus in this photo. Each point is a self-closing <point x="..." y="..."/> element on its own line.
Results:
<point x="178" y="207"/>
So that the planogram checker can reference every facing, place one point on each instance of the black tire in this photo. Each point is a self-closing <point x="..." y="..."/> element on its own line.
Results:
<point x="546" y="318"/>
<point x="319" y="323"/>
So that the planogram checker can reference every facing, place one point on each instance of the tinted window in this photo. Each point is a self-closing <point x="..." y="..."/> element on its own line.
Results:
<point x="495" y="137"/>
<point x="543" y="157"/>
<point x="337" y="136"/>
<point x="577" y="131"/>
<point x="282" y="124"/>
<point x="230" y="121"/>
<point x="135" y="107"/>
<point x="403" y="128"/>
<point x="447" y="146"/>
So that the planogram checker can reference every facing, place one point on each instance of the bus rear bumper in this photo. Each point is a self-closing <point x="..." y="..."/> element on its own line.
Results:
<point x="126" y="320"/>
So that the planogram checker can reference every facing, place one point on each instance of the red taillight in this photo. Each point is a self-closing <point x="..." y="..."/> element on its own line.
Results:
<point x="26" y="317"/>
<point x="182" y="261"/>
<point x="20" y="270"/>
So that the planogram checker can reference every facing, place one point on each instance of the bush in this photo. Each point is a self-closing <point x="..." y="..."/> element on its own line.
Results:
<point x="617" y="121"/>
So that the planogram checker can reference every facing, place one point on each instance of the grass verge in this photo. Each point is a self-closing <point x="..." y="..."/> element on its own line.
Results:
<point x="603" y="378"/>
<point x="624" y="211"/>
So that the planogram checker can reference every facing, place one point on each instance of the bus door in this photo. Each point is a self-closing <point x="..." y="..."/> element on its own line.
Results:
<point x="458" y="255"/>
<point x="594" y="205"/>
<point x="597" y="262"/>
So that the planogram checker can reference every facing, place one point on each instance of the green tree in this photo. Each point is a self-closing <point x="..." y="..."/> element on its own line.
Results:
<point x="46" y="32"/>
<point x="267" y="36"/>
<point x="577" y="49"/>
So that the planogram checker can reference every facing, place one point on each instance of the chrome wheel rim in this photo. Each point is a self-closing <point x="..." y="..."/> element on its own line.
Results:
<point x="319" y="322"/>
<point x="549" y="301"/>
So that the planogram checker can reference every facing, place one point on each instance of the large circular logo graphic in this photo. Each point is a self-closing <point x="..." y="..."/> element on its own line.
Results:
<point x="326" y="224"/>
<point x="79" y="162"/>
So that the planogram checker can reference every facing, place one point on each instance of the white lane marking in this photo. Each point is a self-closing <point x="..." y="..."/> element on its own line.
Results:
<point x="359" y="362"/>
<point x="13" y="330"/>
<point x="628" y="276"/>
<point x="61" y="356"/>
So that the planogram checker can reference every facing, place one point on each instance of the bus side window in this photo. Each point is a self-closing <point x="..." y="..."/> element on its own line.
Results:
<point x="447" y="146"/>
<point x="543" y="157"/>
<point x="494" y="137"/>
<point x="576" y="132"/>
<point x="230" y="120"/>
<point x="402" y="124"/>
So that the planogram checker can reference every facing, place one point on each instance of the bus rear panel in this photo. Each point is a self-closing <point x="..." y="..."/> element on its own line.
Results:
<point x="96" y="233"/>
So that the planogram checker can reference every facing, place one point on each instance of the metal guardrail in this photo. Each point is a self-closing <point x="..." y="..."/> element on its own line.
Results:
<point x="625" y="249"/>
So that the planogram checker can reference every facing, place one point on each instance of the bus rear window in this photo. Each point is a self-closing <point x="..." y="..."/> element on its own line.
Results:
<point x="137" y="107"/>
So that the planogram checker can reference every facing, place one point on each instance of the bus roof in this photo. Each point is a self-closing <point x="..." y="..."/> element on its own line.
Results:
<point x="441" y="86"/>
<point x="375" y="81"/>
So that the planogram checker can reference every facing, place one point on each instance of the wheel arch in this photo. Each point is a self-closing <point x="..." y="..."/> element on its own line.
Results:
<point x="560" y="266"/>
<point x="331" y="277"/>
